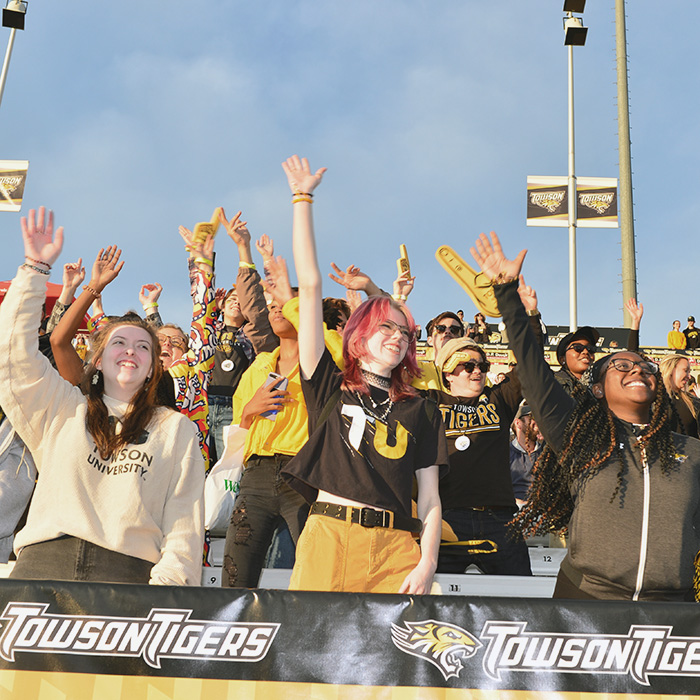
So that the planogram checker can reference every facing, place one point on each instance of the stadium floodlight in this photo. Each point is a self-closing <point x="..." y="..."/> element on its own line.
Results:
<point x="574" y="31"/>
<point x="574" y="6"/>
<point x="13" y="14"/>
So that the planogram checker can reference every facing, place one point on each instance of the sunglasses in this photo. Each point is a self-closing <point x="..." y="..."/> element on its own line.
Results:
<point x="470" y="366"/>
<point x="173" y="342"/>
<point x="454" y="330"/>
<point x="645" y="366"/>
<point x="578" y="348"/>
<point x="388" y="328"/>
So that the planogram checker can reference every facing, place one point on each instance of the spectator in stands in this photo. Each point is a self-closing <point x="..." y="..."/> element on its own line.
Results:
<point x="675" y="372"/>
<point x="676" y="339"/>
<point x="111" y="504"/>
<point x="477" y="492"/>
<point x="359" y="463"/>
<point x="525" y="448"/>
<point x="692" y="335"/>
<point x="611" y="465"/>
<point x="479" y="330"/>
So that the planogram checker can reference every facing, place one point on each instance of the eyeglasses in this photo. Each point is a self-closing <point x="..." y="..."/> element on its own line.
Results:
<point x="388" y="328"/>
<point x="469" y="367"/>
<point x="457" y="331"/>
<point x="579" y="348"/>
<point x="645" y="366"/>
<point x="172" y="341"/>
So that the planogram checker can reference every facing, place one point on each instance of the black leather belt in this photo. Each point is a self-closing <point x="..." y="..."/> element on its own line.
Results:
<point x="367" y="517"/>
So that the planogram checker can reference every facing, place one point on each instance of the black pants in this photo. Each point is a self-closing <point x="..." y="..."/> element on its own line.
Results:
<point x="264" y="498"/>
<point x="72" y="559"/>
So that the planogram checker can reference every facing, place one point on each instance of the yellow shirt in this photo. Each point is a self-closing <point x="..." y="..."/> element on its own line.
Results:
<point x="289" y="431"/>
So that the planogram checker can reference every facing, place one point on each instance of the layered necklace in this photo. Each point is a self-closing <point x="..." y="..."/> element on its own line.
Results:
<point x="375" y="409"/>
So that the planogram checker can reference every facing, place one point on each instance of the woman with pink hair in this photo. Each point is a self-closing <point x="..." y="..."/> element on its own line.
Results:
<point x="370" y="434"/>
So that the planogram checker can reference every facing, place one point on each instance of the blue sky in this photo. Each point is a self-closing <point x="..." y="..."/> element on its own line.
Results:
<point x="138" y="117"/>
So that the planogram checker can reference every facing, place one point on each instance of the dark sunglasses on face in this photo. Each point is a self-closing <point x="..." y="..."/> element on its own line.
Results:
<point x="645" y="366"/>
<point x="580" y="347"/>
<point x="454" y="330"/>
<point x="388" y="328"/>
<point x="471" y="365"/>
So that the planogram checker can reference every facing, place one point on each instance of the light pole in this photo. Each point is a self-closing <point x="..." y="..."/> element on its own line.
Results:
<point x="13" y="17"/>
<point x="574" y="35"/>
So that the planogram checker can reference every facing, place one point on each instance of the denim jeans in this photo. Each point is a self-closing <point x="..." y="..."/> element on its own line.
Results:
<point x="72" y="559"/>
<point x="263" y="500"/>
<point x="510" y="556"/>
<point x="220" y="414"/>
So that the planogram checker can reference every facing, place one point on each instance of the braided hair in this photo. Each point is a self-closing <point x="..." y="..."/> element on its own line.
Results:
<point x="592" y="437"/>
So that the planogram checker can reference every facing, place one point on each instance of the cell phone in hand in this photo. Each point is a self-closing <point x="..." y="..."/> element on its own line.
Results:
<point x="272" y="378"/>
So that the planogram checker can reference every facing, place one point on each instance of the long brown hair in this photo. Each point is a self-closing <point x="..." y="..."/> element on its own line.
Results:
<point x="143" y="403"/>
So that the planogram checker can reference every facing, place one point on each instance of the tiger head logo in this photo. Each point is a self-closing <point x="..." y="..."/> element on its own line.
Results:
<point x="441" y="644"/>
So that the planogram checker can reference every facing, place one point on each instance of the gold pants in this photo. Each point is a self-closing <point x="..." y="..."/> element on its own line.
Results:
<point x="334" y="555"/>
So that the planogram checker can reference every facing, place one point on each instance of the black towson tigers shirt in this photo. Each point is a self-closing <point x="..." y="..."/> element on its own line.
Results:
<point x="354" y="454"/>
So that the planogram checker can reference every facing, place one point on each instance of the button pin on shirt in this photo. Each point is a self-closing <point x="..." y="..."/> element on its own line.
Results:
<point x="462" y="443"/>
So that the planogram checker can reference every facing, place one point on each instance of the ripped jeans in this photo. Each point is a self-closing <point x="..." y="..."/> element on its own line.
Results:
<point x="264" y="498"/>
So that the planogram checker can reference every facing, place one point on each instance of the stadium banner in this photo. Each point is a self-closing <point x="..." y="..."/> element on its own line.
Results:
<point x="13" y="175"/>
<point x="548" y="201"/>
<point x="95" y="641"/>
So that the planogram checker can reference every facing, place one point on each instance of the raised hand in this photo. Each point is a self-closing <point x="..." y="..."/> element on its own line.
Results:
<point x="150" y="293"/>
<point x="527" y="295"/>
<point x="489" y="256"/>
<point x="105" y="268"/>
<point x="353" y="298"/>
<point x="235" y="228"/>
<point x="277" y="278"/>
<point x="73" y="275"/>
<point x="403" y="284"/>
<point x="299" y="175"/>
<point x="40" y="243"/>
<point x="351" y="278"/>
<point x="197" y="249"/>
<point x="219" y="296"/>
<point x="636" y="311"/>
<point x="265" y="246"/>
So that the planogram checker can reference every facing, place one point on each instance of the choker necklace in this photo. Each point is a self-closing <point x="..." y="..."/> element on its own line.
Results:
<point x="376" y="379"/>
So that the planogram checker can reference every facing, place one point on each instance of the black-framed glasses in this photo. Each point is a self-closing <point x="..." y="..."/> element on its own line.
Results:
<point x="580" y="348"/>
<point x="388" y="328"/>
<point x="457" y="331"/>
<point x="622" y="364"/>
<point x="470" y="366"/>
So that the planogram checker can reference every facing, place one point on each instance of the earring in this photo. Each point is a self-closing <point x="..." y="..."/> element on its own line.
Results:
<point x="95" y="377"/>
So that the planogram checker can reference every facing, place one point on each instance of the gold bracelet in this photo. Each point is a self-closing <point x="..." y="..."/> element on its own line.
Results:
<point x="501" y="278"/>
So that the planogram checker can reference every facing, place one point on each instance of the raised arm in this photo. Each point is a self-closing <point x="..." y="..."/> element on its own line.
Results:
<point x="303" y="182"/>
<point x="636" y="311"/>
<point x="105" y="269"/>
<point x="353" y="278"/>
<point x="73" y="275"/>
<point x="551" y="405"/>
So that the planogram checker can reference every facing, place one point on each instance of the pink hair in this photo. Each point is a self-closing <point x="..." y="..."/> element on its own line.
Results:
<point x="363" y="322"/>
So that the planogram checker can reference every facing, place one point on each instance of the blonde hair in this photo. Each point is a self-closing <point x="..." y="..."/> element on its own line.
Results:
<point x="668" y="367"/>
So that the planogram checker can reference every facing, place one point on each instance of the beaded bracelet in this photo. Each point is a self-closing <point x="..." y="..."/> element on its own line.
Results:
<point x="36" y="269"/>
<point x="37" y="262"/>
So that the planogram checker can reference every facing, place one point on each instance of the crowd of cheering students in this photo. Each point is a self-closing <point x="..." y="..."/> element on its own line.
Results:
<point x="382" y="466"/>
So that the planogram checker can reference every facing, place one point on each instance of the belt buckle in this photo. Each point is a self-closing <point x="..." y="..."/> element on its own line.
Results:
<point x="366" y="513"/>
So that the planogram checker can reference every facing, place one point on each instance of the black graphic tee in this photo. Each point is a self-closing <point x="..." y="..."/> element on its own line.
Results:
<point x="362" y="451"/>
